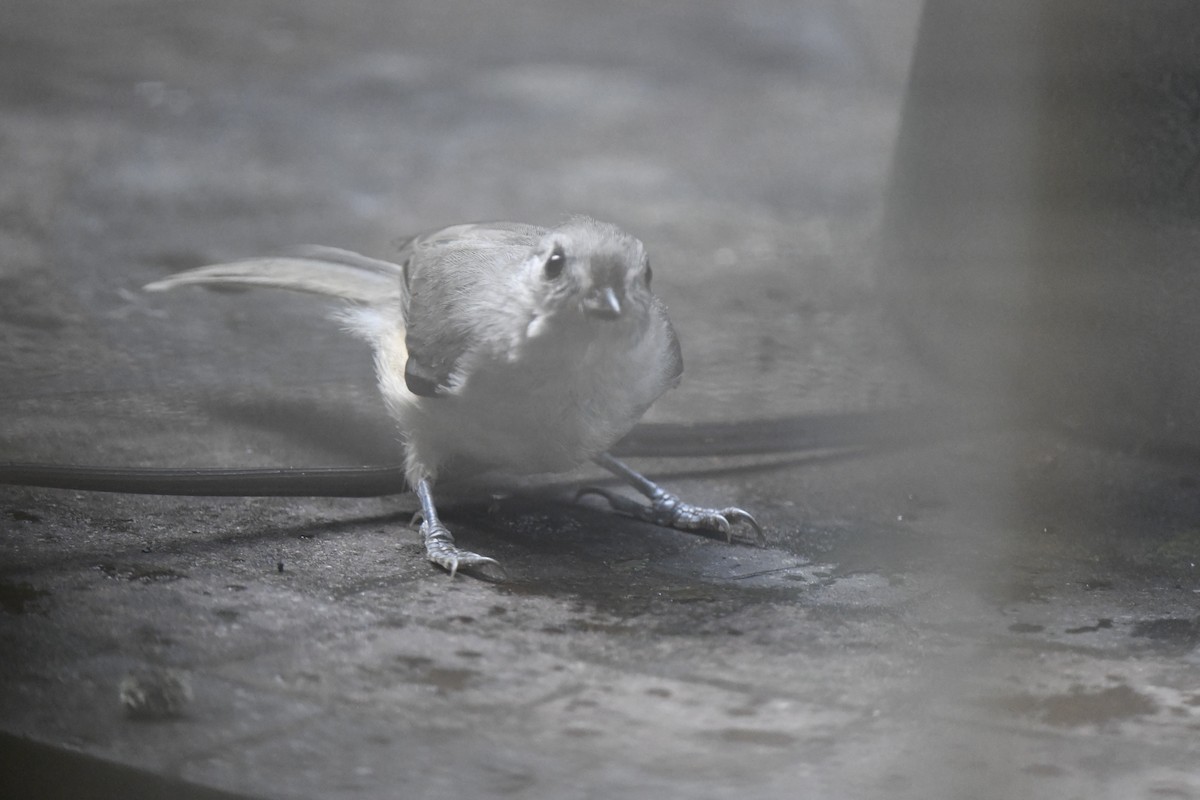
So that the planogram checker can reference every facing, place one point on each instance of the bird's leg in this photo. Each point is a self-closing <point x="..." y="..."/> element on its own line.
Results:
<point x="668" y="510"/>
<point x="440" y="547"/>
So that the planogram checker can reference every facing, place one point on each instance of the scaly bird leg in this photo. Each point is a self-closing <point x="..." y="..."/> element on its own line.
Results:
<point x="440" y="547"/>
<point x="668" y="510"/>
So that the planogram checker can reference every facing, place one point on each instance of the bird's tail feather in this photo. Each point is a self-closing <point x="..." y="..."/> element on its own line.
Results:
<point x="317" y="270"/>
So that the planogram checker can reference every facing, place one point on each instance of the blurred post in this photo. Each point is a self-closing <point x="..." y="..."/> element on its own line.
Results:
<point x="1043" y="223"/>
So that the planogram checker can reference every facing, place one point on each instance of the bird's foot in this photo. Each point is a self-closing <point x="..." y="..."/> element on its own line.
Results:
<point x="441" y="550"/>
<point x="669" y="511"/>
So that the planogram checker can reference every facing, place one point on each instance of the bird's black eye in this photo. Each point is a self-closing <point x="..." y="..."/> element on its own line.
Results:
<point x="555" y="263"/>
<point x="649" y="273"/>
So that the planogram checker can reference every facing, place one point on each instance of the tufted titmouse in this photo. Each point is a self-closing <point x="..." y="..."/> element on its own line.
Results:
<point x="503" y="346"/>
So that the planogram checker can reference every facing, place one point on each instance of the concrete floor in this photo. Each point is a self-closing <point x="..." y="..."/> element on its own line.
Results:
<point x="1001" y="613"/>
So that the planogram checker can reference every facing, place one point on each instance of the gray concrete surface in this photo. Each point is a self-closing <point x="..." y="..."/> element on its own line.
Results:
<point x="1000" y="614"/>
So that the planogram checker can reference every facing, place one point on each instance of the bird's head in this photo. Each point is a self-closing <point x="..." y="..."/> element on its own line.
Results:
<point x="588" y="271"/>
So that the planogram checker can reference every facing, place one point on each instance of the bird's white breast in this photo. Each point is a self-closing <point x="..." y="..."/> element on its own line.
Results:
<point x="559" y="400"/>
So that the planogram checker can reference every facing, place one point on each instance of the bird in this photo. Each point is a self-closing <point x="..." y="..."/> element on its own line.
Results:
<point x="502" y="347"/>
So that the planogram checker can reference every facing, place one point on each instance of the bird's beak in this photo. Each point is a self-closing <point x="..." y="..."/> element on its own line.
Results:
<point x="602" y="303"/>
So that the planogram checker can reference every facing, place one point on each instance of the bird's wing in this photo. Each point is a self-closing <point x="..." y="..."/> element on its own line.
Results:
<point x="425" y="290"/>
<point x="442" y="270"/>
<point x="674" y="369"/>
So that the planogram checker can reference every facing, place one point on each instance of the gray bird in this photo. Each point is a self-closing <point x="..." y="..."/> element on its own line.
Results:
<point x="503" y="346"/>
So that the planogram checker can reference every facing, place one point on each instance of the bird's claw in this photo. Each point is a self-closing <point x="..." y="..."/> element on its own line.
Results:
<point x="669" y="511"/>
<point x="441" y="550"/>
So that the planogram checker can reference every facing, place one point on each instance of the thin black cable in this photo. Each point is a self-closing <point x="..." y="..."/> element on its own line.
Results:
<point x="658" y="440"/>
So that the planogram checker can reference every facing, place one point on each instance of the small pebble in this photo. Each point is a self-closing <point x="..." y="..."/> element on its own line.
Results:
<point x="155" y="693"/>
